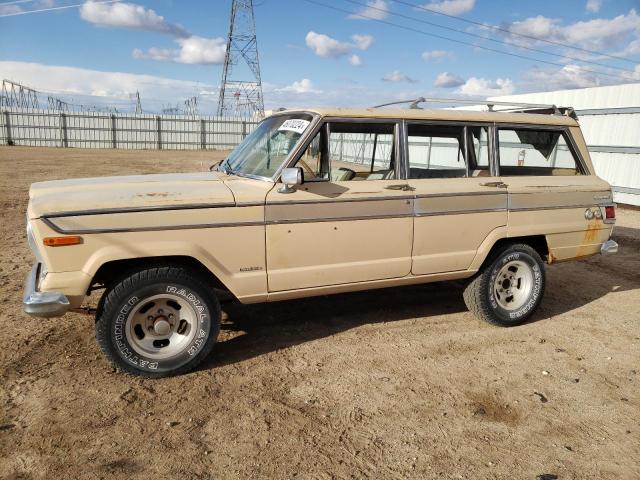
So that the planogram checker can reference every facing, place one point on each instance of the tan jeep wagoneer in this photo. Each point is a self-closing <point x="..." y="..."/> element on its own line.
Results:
<point x="315" y="202"/>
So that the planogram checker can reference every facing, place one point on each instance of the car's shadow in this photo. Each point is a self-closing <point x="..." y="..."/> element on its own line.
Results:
<point x="262" y="328"/>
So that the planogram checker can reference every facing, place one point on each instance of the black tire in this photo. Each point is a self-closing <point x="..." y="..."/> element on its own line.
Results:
<point x="127" y="296"/>
<point x="480" y="295"/>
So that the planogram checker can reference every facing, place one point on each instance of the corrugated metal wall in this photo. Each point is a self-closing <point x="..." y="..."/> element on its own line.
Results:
<point x="48" y="128"/>
<point x="610" y="121"/>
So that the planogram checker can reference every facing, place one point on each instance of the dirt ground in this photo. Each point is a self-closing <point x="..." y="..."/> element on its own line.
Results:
<point x="396" y="383"/>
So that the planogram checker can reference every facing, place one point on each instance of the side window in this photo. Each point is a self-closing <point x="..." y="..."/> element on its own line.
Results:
<point x="436" y="151"/>
<point x="479" y="142"/>
<point x="535" y="152"/>
<point x="361" y="151"/>
<point x="312" y="163"/>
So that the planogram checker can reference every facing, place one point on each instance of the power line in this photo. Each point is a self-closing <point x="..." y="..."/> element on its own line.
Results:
<point x="53" y="8"/>
<point x="502" y="42"/>
<point x="14" y="2"/>
<point x="462" y="42"/>
<point x="506" y="30"/>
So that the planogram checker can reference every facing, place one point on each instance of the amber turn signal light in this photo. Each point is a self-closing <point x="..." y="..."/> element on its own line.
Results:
<point x="62" y="241"/>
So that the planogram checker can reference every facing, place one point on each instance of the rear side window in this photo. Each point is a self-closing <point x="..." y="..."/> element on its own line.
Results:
<point x="436" y="151"/>
<point x="535" y="152"/>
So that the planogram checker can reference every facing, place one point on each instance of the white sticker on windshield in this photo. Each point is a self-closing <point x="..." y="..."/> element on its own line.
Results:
<point x="294" y="125"/>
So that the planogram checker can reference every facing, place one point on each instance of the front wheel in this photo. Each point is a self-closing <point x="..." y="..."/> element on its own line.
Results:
<point x="158" y="322"/>
<point x="508" y="290"/>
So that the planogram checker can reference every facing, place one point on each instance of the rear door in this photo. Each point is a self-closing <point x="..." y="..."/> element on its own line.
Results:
<point x="459" y="200"/>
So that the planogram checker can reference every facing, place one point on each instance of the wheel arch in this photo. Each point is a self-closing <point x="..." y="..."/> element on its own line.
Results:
<point x="113" y="270"/>
<point x="499" y="238"/>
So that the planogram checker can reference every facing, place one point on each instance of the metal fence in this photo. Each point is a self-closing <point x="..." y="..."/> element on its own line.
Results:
<point x="49" y="128"/>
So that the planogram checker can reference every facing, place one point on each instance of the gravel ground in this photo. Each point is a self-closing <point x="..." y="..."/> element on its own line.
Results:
<point x="396" y="383"/>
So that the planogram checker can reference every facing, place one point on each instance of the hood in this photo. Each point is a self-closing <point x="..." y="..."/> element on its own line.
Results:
<point x="135" y="191"/>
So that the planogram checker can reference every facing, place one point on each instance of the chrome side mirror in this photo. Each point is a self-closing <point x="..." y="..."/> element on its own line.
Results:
<point x="291" y="177"/>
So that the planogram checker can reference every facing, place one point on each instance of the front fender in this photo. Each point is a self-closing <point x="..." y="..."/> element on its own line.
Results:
<point x="235" y="254"/>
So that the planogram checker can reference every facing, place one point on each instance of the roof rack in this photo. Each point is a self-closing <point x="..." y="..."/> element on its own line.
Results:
<point x="514" y="107"/>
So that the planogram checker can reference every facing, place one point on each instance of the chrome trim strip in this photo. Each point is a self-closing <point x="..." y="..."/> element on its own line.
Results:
<point x="338" y="219"/>
<point x="460" y="212"/>
<point x="151" y="229"/>
<point x="555" y="207"/>
<point x="107" y="211"/>
<point x="462" y="194"/>
<point x="340" y="200"/>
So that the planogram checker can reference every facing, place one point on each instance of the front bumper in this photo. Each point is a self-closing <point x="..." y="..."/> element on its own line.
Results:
<point x="42" y="304"/>
<point x="608" y="247"/>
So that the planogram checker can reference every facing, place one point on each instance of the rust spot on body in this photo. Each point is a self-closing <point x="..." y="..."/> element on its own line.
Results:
<point x="589" y="239"/>
<point x="592" y="231"/>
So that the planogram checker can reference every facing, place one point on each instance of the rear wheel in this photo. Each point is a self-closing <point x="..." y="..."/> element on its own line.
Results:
<point x="508" y="290"/>
<point x="158" y="322"/>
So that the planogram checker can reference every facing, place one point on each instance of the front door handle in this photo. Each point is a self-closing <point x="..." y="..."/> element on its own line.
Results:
<point x="404" y="188"/>
<point x="494" y="184"/>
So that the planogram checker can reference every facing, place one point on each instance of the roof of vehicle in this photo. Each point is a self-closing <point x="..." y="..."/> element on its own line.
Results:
<point x="440" y="114"/>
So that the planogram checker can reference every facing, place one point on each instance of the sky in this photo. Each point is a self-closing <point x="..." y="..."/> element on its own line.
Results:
<point x="318" y="52"/>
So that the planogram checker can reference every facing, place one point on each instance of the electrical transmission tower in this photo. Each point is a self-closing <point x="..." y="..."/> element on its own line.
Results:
<point x="241" y="87"/>
<point x="135" y="97"/>
<point x="16" y="95"/>
<point x="191" y="106"/>
<point x="57" y="104"/>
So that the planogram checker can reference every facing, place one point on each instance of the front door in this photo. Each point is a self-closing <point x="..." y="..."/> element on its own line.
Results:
<point x="459" y="201"/>
<point x="350" y="221"/>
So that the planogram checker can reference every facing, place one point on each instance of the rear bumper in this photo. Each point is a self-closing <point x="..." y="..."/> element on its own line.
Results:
<point x="42" y="304"/>
<point x="609" y="247"/>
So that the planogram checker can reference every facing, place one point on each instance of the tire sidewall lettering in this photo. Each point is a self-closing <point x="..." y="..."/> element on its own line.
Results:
<point x="536" y="290"/>
<point x="129" y="355"/>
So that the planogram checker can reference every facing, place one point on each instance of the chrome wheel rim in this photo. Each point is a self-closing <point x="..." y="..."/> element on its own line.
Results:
<point x="513" y="285"/>
<point x="161" y="326"/>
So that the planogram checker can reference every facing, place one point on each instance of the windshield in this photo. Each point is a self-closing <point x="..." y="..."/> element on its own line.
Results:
<point x="267" y="147"/>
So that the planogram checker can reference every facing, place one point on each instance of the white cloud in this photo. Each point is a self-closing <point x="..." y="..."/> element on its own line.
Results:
<point x="362" y="42"/>
<point x="17" y="9"/>
<point x="633" y="48"/>
<point x="593" y="6"/>
<point x="355" y="60"/>
<point x="436" y="55"/>
<point x="596" y="34"/>
<point x="375" y="10"/>
<point x="481" y="87"/>
<point x="448" y="80"/>
<point x="568" y="77"/>
<point x="10" y="9"/>
<point x="128" y="15"/>
<point x="327" y="47"/>
<point x="193" y="50"/>
<point x="75" y="84"/>
<point x="572" y="76"/>
<point x="451" y="7"/>
<point x="299" y="87"/>
<point x="396" y="76"/>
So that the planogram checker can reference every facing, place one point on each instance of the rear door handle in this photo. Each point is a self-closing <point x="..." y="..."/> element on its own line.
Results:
<point x="494" y="184"/>
<point x="404" y="188"/>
